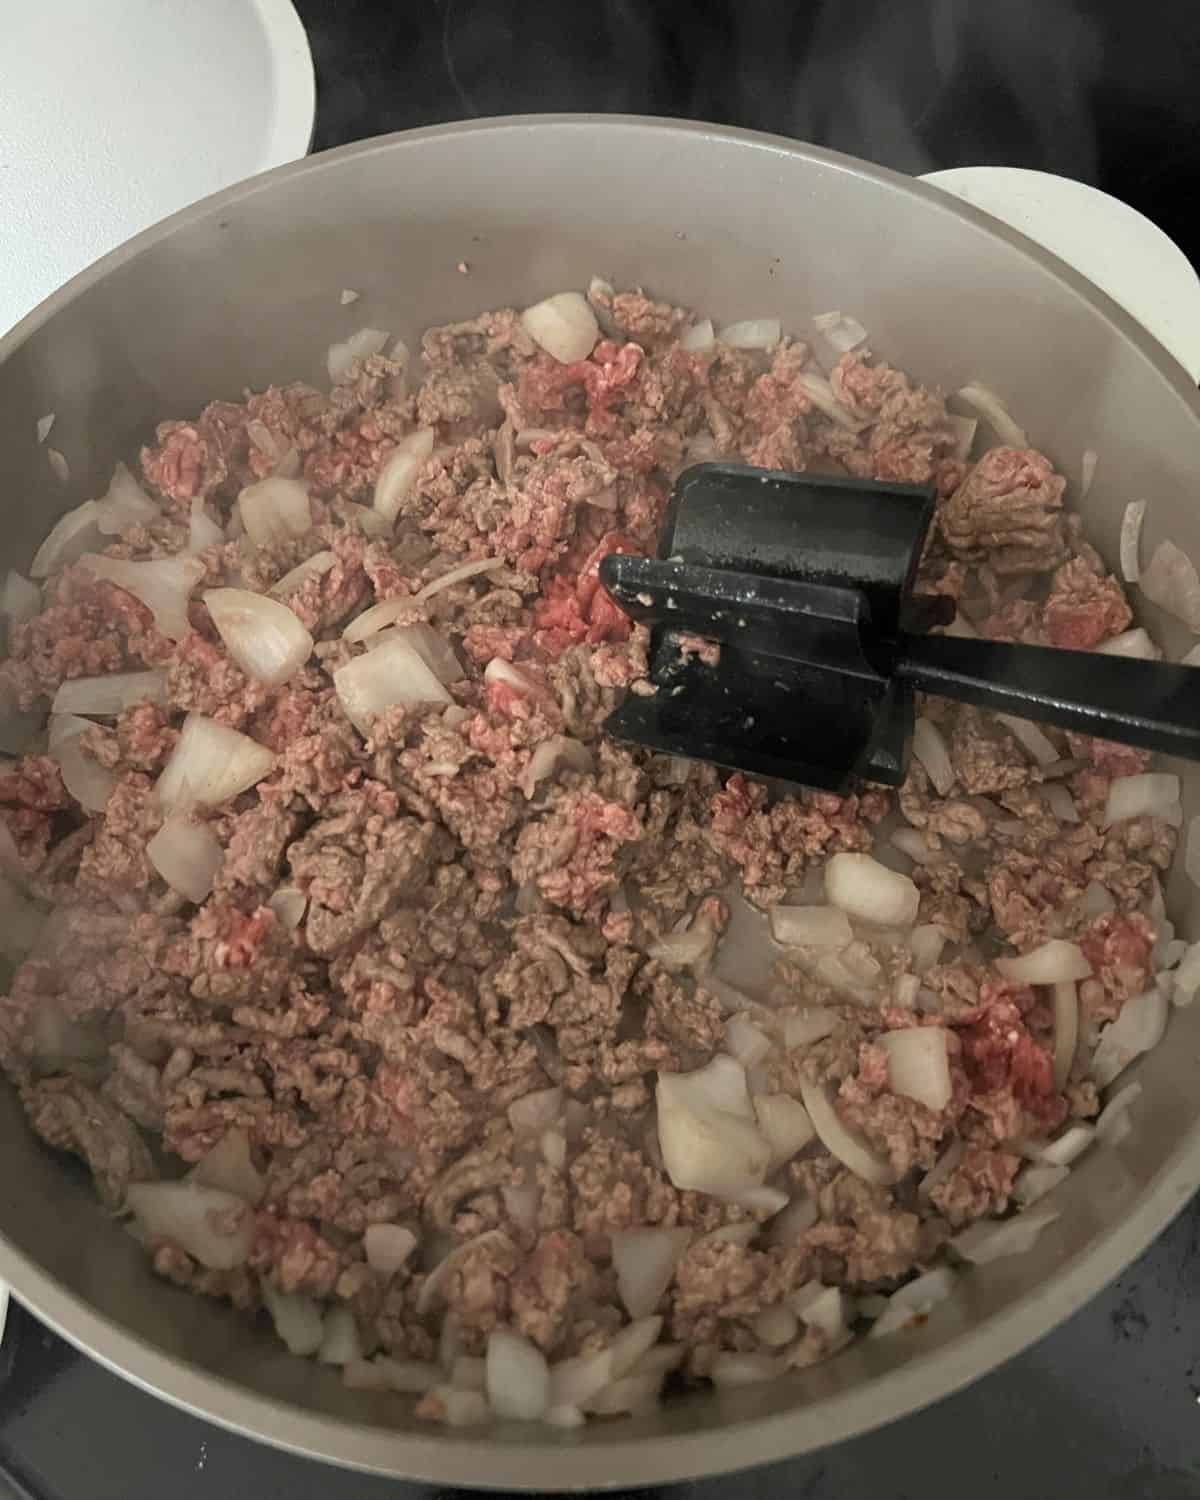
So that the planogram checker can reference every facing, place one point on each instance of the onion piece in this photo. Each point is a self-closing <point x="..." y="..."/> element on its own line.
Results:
<point x="561" y="751"/>
<point x="869" y="891"/>
<point x="289" y="905"/>
<point x="745" y="1042"/>
<point x="630" y="1346"/>
<point x="785" y="1228"/>
<point x="918" y="1065"/>
<point x="989" y="406"/>
<point x="1030" y="737"/>
<point x="1131" y="533"/>
<point x="626" y="1395"/>
<point x="89" y="782"/>
<point x="751" y="333"/>
<point x="459" y="574"/>
<point x="124" y="504"/>
<point x="214" y="1227"/>
<point x="1148" y="794"/>
<point x="162" y="585"/>
<point x="729" y="1370"/>
<point x="785" y="1123"/>
<point x="1133" y="643"/>
<point x="811" y="927"/>
<point x="1186" y="979"/>
<point x="430" y="1293"/>
<point x="697" y="339"/>
<point x="563" y="325"/>
<point x="1087" y="471"/>
<point x="74" y="534"/>
<point x="1060" y="802"/>
<point x="263" y="636"/>
<point x="990" y="1239"/>
<point x="822" y="1308"/>
<point x="391" y="674"/>
<point x="297" y="1318"/>
<point x="930" y="749"/>
<point x="361" y="345"/>
<point x="210" y="764"/>
<point x="340" y="1344"/>
<point x="434" y="650"/>
<point x="1137" y="1029"/>
<point x="810" y="1025"/>
<point x="378" y="617"/>
<point x="1066" y="1029"/>
<point x="1052" y="962"/>
<point x="388" y="1247"/>
<point x="230" y="1167"/>
<point x="843" y="332"/>
<point x="576" y="1380"/>
<point x="59" y="466"/>
<point x="533" y="1113"/>
<point x="461" y="1408"/>
<point x="295" y="578"/>
<point x="1169" y="581"/>
<point x="706" y="1130"/>
<point x="1032" y="1183"/>
<point x="820" y="393"/>
<point x="346" y="296"/>
<point x="645" y="1260"/>
<point x="517" y="1378"/>
<point x="400" y="470"/>
<point x="44" y="424"/>
<point x="1113" y="1124"/>
<point x="1067" y="1147"/>
<point x="275" y="510"/>
<point x="911" y="1305"/>
<point x="187" y="855"/>
<point x="964" y="429"/>
<point x="203" y="531"/>
<point x="926" y="943"/>
<point x="105" y="697"/>
<point x="912" y="843"/>
<point x="839" y="1140"/>
<point x="20" y="600"/>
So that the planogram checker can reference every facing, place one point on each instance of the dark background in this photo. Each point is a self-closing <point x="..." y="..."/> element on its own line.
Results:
<point x="1108" y="1406"/>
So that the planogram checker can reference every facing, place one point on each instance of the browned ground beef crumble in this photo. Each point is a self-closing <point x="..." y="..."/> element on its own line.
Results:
<point x="475" y="928"/>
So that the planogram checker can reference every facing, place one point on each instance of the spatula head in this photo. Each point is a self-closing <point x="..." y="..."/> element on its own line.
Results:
<point x="801" y="583"/>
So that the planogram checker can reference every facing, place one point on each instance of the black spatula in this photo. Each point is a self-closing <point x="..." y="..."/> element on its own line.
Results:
<point x="805" y="584"/>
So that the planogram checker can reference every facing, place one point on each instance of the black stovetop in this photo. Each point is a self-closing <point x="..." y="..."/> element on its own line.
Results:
<point x="1107" y="1406"/>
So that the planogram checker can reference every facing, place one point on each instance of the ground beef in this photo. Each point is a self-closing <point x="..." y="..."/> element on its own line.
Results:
<point x="413" y="930"/>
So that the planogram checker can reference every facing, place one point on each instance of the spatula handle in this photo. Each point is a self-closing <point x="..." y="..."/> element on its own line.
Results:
<point x="1152" y="705"/>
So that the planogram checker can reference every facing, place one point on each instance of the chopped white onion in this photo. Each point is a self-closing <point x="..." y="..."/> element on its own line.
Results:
<point x="839" y="1140"/>
<point x="59" y="466"/>
<point x="74" y="534"/>
<point x="1113" y="1124"/>
<point x="698" y="338"/>
<point x="125" y="504"/>
<point x="346" y="296"/>
<point x="315" y="566"/>
<point x="820" y="393"/>
<point x="706" y="1129"/>
<point x="1131" y="534"/>
<point x="289" y="904"/>
<point x="1137" y="1029"/>
<point x="461" y="1408"/>
<point x="751" y="333"/>
<point x="1169" y="581"/>
<point x="912" y="843"/>
<point x="1052" y="962"/>
<point x="785" y="1123"/>
<point x="1186" y="979"/>
<point x="911" y="1305"/>
<point x="775" y="1326"/>
<point x="631" y="1393"/>
<point x="576" y="1380"/>
<point x="105" y="697"/>
<point x="918" y="1064"/>
<point x="869" y="891"/>
<point x="263" y="636"/>
<point x="786" y="1227"/>
<point x="631" y="1345"/>
<point x="203" y="531"/>
<point x="561" y="751"/>
<point x="275" y="510"/>
<point x="340" y="1343"/>
<point x="645" y="1260"/>
<point x="964" y="429"/>
<point x="823" y="1308"/>
<point x="564" y="1416"/>
<point x="391" y="674"/>
<point x="400" y="470"/>
<point x="1087" y="472"/>
<point x="563" y="325"/>
<point x="187" y="855"/>
<point x="210" y="764"/>
<point x="533" y="1113"/>
<point x="378" y="617"/>
<point x="361" y="345"/>
<point x="809" y="1025"/>
<point x="459" y="574"/>
<point x="44" y="424"/>
<point x="1032" y="1183"/>
<point x="842" y="331"/>
<point x="744" y="1041"/>
<point x="388" y="1247"/>
<point x="745" y="1369"/>
<point x="993" y="411"/>
<point x="297" y="1318"/>
<point x="86" y="779"/>
<point x="811" y="927"/>
<point x="434" y="650"/>
<point x="517" y="1378"/>
<point x="925" y="943"/>
<point x="20" y="600"/>
<point x="230" y="1167"/>
<point x="930" y="749"/>
<point x="163" y="585"/>
<point x="1133" y="643"/>
<point x="430" y="1294"/>
<point x="1066" y="1029"/>
<point x="1060" y="802"/>
<point x="1149" y="794"/>
<point x="1030" y="737"/>
<point x="990" y="1239"/>
<point x="1067" y="1147"/>
<point x="214" y="1227"/>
